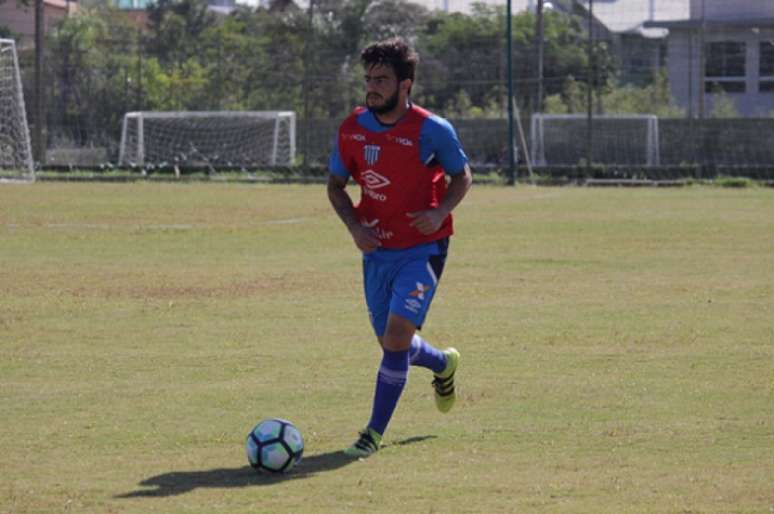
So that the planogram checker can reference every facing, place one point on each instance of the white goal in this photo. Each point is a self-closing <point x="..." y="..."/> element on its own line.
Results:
<point x="15" y="147"/>
<point x="209" y="140"/>
<point x="625" y="139"/>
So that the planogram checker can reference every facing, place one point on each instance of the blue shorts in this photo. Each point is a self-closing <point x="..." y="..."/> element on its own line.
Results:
<point x="402" y="282"/>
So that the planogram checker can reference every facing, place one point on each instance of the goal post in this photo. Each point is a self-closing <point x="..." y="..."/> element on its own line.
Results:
<point x="15" y="146"/>
<point x="618" y="139"/>
<point x="208" y="139"/>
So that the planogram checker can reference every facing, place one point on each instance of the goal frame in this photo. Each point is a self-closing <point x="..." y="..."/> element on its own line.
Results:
<point x="27" y="164"/>
<point x="141" y="116"/>
<point x="537" y="134"/>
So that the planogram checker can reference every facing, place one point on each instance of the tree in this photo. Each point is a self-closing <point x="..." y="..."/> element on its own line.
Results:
<point x="176" y="28"/>
<point x="467" y="53"/>
<point x="91" y="68"/>
<point x="723" y="106"/>
<point x="629" y="99"/>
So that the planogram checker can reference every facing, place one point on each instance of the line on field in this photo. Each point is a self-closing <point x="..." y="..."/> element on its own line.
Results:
<point x="107" y="226"/>
<point x="163" y="226"/>
<point x="288" y="221"/>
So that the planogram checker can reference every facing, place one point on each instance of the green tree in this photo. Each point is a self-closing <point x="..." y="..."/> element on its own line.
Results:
<point x="91" y="67"/>
<point x="652" y="99"/>
<point x="629" y="99"/>
<point x="723" y="106"/>
<point x="176" y="29"/>
<point x="468" y="52"/>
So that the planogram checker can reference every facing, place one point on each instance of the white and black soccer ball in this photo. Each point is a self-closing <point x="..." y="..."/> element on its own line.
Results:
<point x="274" y="445"/>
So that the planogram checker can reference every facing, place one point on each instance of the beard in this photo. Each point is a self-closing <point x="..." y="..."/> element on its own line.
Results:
<point x="388" y="105"/>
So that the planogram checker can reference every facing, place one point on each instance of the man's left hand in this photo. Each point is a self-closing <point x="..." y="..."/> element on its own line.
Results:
<point x="427" y="222"/>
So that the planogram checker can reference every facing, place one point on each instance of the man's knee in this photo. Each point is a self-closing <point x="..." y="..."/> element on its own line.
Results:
<point x="397" y="336"/>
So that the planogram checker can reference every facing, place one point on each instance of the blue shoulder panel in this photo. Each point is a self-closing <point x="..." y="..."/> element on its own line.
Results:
<point x="439" y="141"/>
<point x="335" y="165"/>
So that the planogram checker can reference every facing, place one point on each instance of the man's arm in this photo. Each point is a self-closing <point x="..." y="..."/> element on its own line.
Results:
<point x="428" y="222"/>
<point x="364" y="237"/>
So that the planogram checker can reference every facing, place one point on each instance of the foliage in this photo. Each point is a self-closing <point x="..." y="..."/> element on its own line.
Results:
<point x="652" y="99"/>
<point x="734" y="182"/>
<point x="280" y="57"/>
<point x="452" y="39"/>
<point x="92" y="85"/>
<point x="5" y="32"/>
<point x="627" y="99"/>
<point x="723" y="106"/>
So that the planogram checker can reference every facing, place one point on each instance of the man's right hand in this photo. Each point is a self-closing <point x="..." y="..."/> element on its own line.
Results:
<point x="365" y="238"/>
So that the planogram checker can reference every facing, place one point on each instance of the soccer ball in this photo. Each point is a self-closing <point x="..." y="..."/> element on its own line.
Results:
<point x="274" y="445"/>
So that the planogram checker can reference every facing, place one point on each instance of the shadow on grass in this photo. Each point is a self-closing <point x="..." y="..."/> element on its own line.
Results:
<point x="180" y="482"/>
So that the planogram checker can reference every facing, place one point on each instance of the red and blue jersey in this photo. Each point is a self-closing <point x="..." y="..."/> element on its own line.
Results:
<point x="400" y="169"/>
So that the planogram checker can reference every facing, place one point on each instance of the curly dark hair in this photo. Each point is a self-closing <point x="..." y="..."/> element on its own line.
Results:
<point x="394" y="52"/>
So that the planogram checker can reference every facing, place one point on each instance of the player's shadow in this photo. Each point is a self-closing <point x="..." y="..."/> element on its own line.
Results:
<point x="180" y="482"/>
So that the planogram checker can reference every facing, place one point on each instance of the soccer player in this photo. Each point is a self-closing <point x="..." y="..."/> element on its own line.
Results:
<point x="400" y="155"/>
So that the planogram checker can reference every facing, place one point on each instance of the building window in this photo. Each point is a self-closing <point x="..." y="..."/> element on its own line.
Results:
<point x="725" y="67"/>
<point x="767" y="67"/>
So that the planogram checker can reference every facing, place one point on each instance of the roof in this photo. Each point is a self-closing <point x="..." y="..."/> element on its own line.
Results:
<point x="634" y="16"/>
<point x="695" y="23"/>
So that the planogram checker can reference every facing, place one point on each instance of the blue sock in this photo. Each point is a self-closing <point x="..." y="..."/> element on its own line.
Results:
<point x="424" y="354"/>
<point x="390" y="381"/>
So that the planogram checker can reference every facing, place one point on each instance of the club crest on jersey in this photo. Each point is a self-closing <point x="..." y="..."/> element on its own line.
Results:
<point x="371" y="153"/>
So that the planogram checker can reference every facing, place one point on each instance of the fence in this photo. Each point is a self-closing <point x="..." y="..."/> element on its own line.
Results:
<point x="687" y="148"/>
<point x="294" y="60"/>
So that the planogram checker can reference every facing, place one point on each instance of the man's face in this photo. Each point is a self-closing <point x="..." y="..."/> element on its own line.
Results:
<point x="382" y="89"/>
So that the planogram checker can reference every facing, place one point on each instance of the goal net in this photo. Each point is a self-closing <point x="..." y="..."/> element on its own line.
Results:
<point x="15" y="147"/>
<point x="628" y="139"/>
<point x="208" y="140"/>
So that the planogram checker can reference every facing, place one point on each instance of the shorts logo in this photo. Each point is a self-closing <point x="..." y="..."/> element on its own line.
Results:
<point x="371" y="153"/>
<point x="413" y="305"/>
<point x="373" y="180"/>
<point x="420" y="291"/>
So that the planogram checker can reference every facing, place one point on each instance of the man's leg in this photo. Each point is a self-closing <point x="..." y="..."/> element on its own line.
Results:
<point x="412" y="294"/>
<point x="393" y="372"/>
<point x="390" y="381"/>
<point x="426" y="355"/>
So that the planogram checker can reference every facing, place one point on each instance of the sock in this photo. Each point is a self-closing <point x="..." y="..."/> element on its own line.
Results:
<point x="426" y="355"/>
<point x="390" y="381"/>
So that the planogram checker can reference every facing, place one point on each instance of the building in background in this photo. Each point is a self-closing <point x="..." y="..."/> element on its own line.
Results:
<point x="20" y="19"/>
<point x="136" y="10"/>
<point x="723" y="50"/>
<point x="639" y="48"/>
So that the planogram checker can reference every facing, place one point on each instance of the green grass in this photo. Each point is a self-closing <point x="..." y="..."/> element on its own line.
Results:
<point x="617" y="353"/>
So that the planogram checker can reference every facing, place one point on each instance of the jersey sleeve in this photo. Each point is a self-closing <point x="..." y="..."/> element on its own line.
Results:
<point x="438" y="141"/>
<point x="335" y="164"/>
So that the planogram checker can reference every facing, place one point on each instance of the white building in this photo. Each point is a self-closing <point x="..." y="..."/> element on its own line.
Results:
<point x="735" y="41"/>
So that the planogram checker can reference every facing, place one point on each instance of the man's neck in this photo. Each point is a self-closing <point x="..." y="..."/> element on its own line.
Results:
<point x="394" y="116"/>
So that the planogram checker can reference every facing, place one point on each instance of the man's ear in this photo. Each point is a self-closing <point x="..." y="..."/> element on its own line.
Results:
<point x="405" y="86"/>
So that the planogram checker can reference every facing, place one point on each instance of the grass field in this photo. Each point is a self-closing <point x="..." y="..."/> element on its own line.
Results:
<point x="617" y="346"/>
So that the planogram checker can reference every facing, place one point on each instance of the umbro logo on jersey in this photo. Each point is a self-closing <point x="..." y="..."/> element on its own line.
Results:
<point x="371" y="153"/>
<point x="373" y="180"/>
